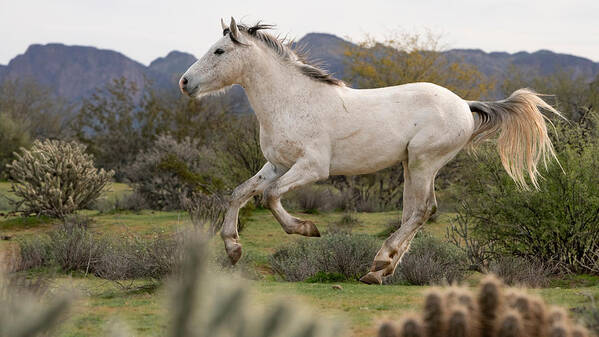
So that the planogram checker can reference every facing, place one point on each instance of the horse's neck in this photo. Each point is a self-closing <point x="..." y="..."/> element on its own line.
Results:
<point x="275" y="89"/>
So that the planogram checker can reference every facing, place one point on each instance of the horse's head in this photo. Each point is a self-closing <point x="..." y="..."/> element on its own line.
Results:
<point x="221" y="66"/>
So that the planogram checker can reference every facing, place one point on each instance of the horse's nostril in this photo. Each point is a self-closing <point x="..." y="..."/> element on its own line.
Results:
<point x="184" y="81"/>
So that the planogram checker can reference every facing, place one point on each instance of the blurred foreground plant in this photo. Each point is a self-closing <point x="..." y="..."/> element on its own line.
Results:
<point x="492" y="312"/>
<point x="23" y="310"/>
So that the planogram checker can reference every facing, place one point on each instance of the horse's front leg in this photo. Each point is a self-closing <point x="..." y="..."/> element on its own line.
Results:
<point x="244" y="192"/>
<point x="303" y="172"/>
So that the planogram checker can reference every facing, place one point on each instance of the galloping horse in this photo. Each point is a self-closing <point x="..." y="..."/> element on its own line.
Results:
<point x="313" y="126"/>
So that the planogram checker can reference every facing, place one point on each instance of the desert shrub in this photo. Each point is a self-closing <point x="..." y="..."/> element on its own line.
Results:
<point x="478" y="250"/>
<point x="380" y="191"/>
<point x="431" y="261"/>
<point x="314" y="199"/>
<point x="170" y="170"/>
<point x="347" y="254"/>
<point x="55" y="178"/>
<point x="521" y="271"/>
<point x="207" y="211"/>
<point x="591" y="262"/>
<point x="74" y="248"/>
<point x="238" y="147"/>
<point x="71" y="246"/>
<point x="133" y="257"/>
<point x="33" y="253"/>
<point x="558" y="223"/>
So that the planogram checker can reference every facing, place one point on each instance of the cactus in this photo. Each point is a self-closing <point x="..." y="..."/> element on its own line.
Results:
<point x="205" y="302"/>
<point x="496" y="312"/>
<point x="55" y="178"/>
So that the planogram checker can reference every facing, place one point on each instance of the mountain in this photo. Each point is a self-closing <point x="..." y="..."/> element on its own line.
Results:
<point x="542" y="62"/>
<point x="173" y="65"/>
<point x="327" y="49"/>
<point x="74" y="72"/>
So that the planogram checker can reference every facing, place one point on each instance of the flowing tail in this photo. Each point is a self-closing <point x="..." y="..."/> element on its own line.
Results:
<point x="523" y="140"/>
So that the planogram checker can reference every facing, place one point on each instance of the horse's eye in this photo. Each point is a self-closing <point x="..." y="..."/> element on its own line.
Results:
<point x="219" y="51"/>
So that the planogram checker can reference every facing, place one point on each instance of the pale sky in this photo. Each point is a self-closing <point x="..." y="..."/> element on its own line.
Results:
<point x="145" y="30"/>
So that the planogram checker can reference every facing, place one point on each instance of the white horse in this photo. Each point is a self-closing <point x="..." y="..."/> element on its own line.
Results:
<point x="313" y="126"/>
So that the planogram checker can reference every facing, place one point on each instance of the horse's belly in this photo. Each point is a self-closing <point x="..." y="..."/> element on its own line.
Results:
<point x="366" y="157"/>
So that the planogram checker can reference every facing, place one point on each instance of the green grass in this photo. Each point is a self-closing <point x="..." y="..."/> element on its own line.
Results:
<point x="359" y="305"/>
<point x="113" y="191"/>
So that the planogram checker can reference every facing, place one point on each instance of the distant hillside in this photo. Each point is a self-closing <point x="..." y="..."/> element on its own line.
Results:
<point x="74" y="72"/>
<point x="173" y="65"/>
<point x="326" y="49"/>
<point x="542" y="62"/>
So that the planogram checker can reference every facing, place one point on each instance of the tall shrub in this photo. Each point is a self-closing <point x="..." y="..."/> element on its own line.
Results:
<point x="170" y="171"/>
<point x="55" y="178"/>
<point x="560" y="222"/>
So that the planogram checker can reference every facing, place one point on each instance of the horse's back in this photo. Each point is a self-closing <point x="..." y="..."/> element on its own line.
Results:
<point x="419" y="103"/>
<point x="383" y="122"/>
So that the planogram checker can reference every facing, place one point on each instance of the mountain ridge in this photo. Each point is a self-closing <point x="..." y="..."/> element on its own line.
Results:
<point x="74" y="71"/>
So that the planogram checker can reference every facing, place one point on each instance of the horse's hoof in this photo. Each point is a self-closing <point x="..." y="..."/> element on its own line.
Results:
<point x="308" y="228"/>
<point x="371" y="278"/>
<point x="234" y="253"/>
<point x="380" y="265"/>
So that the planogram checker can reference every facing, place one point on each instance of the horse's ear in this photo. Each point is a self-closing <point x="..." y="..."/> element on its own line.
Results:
<point x="223" y="24"/>
<point x="234" y="30"/>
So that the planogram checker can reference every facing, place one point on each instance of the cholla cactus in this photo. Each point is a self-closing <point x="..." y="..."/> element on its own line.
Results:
<point x="493" y="312"/>
<point x="56" y="178"/>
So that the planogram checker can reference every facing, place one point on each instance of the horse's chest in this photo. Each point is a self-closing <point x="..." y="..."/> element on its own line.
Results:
<point x="281" y="149"/>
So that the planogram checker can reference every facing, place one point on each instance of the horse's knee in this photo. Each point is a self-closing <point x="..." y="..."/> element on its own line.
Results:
<point x="271" y="196"/>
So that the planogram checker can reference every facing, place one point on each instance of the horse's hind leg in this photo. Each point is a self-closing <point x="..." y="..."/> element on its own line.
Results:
<point x="420" y="200"/>
<point x="302" y="173"/>
<point x="253" y="186"/>
<point x="291" y="224"/>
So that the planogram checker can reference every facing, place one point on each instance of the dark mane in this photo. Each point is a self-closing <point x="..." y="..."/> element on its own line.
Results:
<point x="282" y="47"/>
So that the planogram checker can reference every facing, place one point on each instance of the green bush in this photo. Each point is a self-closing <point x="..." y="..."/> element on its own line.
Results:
<point x="430" y="261"/>
<point x="55" y="178"/>
<point x="343" y="253"/>
<point x="13" y="136"/>
<point x="171" y="170"/>
<point x="560" y="222"/>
